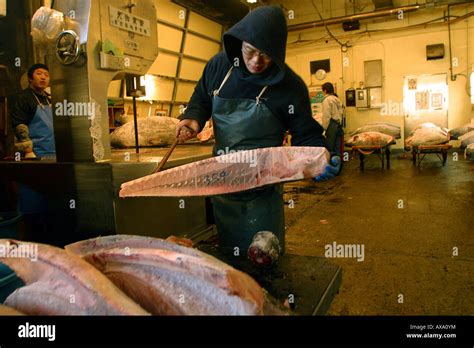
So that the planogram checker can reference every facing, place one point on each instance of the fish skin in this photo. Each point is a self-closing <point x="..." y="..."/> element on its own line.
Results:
<point x="427" y="136"/>
<point x="39" y="299"/>
<point x="370" y="139"/>
<point x="166" y="291"/>
<point x="219" y="175"/>
<point x="56" y="276"/>
<point x="245" y="285"/>
<point x="195" y="268"/>
<point x="385" y="128"/>
<point x="92" y="245"/>
<point x="152" y="131"/>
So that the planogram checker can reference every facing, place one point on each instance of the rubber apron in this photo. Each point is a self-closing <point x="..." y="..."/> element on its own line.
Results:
<point x="243" y="124"/>
<point x="42" y="134"/>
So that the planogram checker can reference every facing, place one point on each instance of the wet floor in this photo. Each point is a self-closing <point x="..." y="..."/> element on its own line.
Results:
<point x="416" y="227"/>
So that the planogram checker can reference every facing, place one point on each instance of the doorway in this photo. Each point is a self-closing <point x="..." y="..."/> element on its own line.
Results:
<point x="425" y="99"/>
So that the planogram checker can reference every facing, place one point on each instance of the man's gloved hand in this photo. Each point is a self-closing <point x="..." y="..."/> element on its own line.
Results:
<point x="331" y="171"/>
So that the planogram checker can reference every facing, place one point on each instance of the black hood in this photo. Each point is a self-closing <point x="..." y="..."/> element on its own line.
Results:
<point x="265" y="29"/>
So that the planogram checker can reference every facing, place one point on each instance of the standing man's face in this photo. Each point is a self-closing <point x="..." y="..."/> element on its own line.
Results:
<point x="40" y="79"/>
<point x="255" y="61"/>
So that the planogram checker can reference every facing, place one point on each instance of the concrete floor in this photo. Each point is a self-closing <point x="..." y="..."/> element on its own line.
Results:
<point x="408" y="250"/>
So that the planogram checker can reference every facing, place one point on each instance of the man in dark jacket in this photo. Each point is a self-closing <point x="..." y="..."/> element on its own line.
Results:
<point x="253" y="98"/>
<point x="32" y="116"/>
<point x="32" y="121"/>
<point x="333" y="113"/>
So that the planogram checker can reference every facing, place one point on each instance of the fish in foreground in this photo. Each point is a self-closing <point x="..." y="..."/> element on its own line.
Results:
<point x="370" y="139"/>
<point x="169" y="279"/>
<point x="61" y="283"/>
<point x="233" y="172"/>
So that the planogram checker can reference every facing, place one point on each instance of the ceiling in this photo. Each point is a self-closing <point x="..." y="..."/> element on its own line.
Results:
<point x="227" y="15"/>
<point x="229" y="12"/>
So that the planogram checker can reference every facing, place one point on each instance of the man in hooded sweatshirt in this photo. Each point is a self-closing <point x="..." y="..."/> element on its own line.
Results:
<point x="253" y="98"/>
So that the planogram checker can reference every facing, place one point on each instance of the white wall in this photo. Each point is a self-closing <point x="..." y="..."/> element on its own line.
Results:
<point x="402" y="52"/>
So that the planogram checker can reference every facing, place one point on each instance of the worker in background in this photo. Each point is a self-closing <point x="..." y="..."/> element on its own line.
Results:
<point x="32" y="121"/>
<point x="332" y="119"/>
<point x="32" y="116"/>
<point x="253" y="98"/>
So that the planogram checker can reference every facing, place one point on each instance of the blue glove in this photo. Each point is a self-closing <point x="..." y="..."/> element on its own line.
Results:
<point x="331" y="171"/>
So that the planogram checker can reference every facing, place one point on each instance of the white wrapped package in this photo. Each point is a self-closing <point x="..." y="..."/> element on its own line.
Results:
<point x="46" y="25"/>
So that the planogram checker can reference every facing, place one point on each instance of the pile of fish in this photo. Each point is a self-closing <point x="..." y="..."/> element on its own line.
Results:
<point x="457" y="132"/>
<point x="384" y="128"/>
<point x="128" y="275"/>
<point x="152" y="131"/>
<point x="427" y="134"/>
<point x="467" y="139"/>
<point x="232" y="172"/>
<point x="370" y="139"/>
<point x="59" y="283"/>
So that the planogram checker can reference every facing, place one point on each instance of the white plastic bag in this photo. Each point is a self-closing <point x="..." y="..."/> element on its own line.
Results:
<point x="46" y="25"/>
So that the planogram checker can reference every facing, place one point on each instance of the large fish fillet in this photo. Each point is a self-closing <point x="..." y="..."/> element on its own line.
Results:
<point x="233" y="172"/>
<point x="61" y="283"/>
<point x="170" y="279"/>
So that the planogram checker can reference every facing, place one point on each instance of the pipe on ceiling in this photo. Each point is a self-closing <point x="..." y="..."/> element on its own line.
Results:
<point x="361" y="16"/>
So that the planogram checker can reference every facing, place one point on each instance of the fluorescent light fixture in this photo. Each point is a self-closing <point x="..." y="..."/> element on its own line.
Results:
<point x="252" y="1"/>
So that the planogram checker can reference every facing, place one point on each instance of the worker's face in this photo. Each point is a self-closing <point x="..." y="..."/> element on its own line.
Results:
<point x="255" y="61"/>
<point x="40" y="79"/>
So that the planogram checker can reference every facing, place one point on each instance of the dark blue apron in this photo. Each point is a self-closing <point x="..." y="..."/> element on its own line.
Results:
<point x="244" y="124"/>
<point x="42" y="135"/>
<point x="42" y="132"/>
